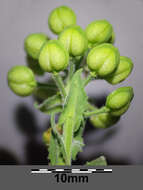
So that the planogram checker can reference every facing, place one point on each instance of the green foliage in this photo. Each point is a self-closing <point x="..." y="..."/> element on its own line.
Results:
<point x="54" y="151"/>
<point x="77" y="142"/>
<point x="72" y="115"/>
<point x="72" y="60"/>
<point x="51" y="105"/>
<point x="76" y="101"/>
<point x="101" y="161"/>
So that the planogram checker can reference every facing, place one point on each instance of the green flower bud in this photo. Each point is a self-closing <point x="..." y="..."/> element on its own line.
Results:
<point x="119" y="100"/>
<point x="21" y="80"/>
<point x="120" y="111"/>
<point x="112" y="38"/>
<point x="103" y="120"/>
<point x="60" y="18"/>
<point x="53" y="57"/>
<point x="122" y="72"/>
<point x="111" y="41"/>
<point x="33" y="44"/>
<point x="74" y="40"/>
<point x="103" y="59"/>
<point x="99" y="31"/>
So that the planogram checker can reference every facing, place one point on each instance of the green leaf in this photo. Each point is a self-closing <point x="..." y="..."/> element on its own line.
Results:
<point x="101" y="161"/>
<point x="50" y="105"/>
<point x="58" y="137"/>
<point x="78" y="143"/>
<point x="54" y="109"/>
<point x="56" y="99"/>
<point x="72" y="115"/>
<point x="53" y="150"/>
<point x="76" y="102"/>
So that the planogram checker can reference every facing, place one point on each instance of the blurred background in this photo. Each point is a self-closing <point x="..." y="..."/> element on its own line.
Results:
<point x="21" y="126"/>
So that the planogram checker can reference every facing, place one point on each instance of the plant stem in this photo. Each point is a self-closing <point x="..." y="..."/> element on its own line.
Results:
<point x="97" y="111"/>
<point x="53" y="125"/>
<point x="71" y="70"/>
<point x="53" y="121"/>
<point x="91" y="107"/>
<point x="68" y="130"/>
<point x="59" y="82"/>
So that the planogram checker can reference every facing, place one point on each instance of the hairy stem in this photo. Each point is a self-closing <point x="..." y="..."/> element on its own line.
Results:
<point x="71" y="70"/>
<point x="59" y="82"/>
<point x="68" y="138"/>
<point x="59" y="137"/>
<point x="97" y="111"/>
<point x="91" y="107"/>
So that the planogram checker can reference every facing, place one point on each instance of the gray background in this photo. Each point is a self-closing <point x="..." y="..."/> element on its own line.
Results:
<point x="18" y="18"/>
<point x="121" y="178"/>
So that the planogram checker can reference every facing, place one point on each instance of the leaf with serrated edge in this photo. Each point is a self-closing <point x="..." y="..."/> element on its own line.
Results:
<point x="53" y="109"/>
<point x="74" y="108"/>
<point x="49" y="102"/>
<point x="77" y="143"/>
<point x="101" y="161"/>
<point x="53" y="150"/>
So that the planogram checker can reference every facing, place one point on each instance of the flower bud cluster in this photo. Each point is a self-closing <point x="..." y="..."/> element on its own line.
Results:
<point x="103" y="60"/>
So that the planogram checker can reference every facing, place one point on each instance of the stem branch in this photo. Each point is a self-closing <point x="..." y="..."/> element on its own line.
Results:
<point x="71" y="70"/>
<point x="97" y="111"/>
<point x="59" y="82"/>
<point x="53" y="125"/>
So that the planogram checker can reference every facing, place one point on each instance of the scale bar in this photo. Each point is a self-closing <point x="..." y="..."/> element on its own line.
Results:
<point x="77" y="171"/>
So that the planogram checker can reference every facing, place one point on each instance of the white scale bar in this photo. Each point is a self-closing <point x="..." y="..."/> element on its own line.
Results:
<point x="92" y="170"/>
<point x="108" y="170"/>
<point x="40" y="172"/>
<point x="72" y="171"/>
<point x="59" y="170"/>
<point x="43" y="169"/>
<point x="78" y="171"/>
<point x="81" y="171"/>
